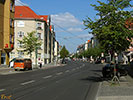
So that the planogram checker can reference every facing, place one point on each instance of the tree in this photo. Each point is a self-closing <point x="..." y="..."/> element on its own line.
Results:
<point x="30" y="43"/>
<point x="95" y="52"/>
<point x="64" y="52"/>
<point x="110" y="28"/>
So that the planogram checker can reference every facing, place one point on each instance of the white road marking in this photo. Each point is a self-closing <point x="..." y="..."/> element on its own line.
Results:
<point x="67" y="71"/>
<point x="59" y="73"/>
<point x="28" y="82"/>
<point x="47" y="76"/>
<point x="2" y="90"/>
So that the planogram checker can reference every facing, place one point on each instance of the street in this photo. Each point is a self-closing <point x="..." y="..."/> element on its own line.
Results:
<point x="74" y="81"/>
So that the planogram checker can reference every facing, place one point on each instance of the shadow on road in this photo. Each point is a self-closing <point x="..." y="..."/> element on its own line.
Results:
<point x="93" y="79"/>
<point x="96" y="70"/>
<point x="130" y="70"/>
<point x="96" y="77"/>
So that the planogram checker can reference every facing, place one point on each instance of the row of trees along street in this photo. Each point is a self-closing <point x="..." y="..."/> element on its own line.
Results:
<point x="95" y="52"/>
<point x="110" y="28"/>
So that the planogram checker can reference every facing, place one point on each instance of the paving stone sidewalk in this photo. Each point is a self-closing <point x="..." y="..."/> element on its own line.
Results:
<point x="122" y="91"/>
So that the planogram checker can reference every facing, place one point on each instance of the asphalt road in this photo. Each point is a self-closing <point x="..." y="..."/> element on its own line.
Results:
<point x="75" y="81"/>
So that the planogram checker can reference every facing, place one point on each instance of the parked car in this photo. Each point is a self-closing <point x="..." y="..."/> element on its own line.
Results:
<point x="11" y="63"/>
<point x="108" y="71"/>
<point x="23" y="64"/>
<point x="98" y="61"/>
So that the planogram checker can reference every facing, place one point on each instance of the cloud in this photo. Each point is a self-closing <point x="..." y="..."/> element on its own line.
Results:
<point x="74" y="29"/>
<point x="19" y="3"/>
<point x="85" y="35"/>
<point x="65" y="20"/>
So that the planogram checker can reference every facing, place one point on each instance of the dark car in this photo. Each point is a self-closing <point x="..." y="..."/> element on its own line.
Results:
<point x="98" y="61"/>
<point x="108" y="70"/>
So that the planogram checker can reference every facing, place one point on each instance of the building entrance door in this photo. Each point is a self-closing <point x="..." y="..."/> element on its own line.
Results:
<point x="3" y="59"/>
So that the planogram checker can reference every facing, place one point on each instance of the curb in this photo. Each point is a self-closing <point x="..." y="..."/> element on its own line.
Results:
<point x="97" y="94"/>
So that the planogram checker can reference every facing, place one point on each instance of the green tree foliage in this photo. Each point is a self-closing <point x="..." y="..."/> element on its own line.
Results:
<point x="95" y="52"/>
<point x="30" y="43"/>
<point x="110" y="28"/>
<point x="64" y="52"/>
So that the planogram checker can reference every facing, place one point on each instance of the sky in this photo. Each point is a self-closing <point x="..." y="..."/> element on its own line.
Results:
<point x="67" y="17"/>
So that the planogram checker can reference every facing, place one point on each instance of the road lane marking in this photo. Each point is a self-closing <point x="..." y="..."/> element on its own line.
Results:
<point x="59" y="73"/>
<point x="47" y="76"/>
<point x="67" y="71"/>
<point x="2" y="90"/>
<point x="28" y="82"/>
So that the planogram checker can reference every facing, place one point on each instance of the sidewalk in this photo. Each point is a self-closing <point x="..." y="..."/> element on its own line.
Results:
<point x="122" y="91"/>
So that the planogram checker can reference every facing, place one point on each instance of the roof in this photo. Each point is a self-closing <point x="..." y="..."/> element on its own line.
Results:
<point x="25" y="12"/>
<point x="28" y="13"/>
<point x="44" y="17"/>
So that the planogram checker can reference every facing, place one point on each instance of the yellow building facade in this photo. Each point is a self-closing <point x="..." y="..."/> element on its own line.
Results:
<point x="6" y="30"/>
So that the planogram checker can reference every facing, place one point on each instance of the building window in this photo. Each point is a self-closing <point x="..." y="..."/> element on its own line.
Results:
<point x="39" y="26"/>
<point x="39" y="55"/>
<point x="11" y="39"/>
<point x="11" y="22"/>
<point x="12" y="7"/>
<point x="39" y="36"/>
<point x="19" y="45"/>
<point x="20" y="53"/>
<point x="20" y="34"/>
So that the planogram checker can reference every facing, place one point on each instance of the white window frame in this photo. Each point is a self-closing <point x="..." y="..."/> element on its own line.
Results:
<point x="20" y="34"/>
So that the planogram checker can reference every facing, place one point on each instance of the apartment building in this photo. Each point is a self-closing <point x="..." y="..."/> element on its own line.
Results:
<point x="26" y="20"/>
<point x="6" y="30"/>
<point x="129" y="25"/>
<point x="87" y="44"/>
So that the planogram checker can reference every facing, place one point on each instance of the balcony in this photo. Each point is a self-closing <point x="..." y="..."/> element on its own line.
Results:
<point x="46" y="56"/>
<point x="39" y="28"/>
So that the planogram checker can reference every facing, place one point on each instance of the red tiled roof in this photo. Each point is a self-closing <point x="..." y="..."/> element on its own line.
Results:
<point x="44" y="17"/>
<point x="25" y="12"/>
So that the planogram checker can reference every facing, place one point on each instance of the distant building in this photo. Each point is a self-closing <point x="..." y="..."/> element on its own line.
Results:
<point x="87" y="44"/>
<point x="80" y="48"/>
<point x="129" y="25"/>
<point x="94" y="42"/>
<point x="6" y="30"/>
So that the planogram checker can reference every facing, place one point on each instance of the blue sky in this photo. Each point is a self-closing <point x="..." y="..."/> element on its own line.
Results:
<point x="67" y="17"/>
